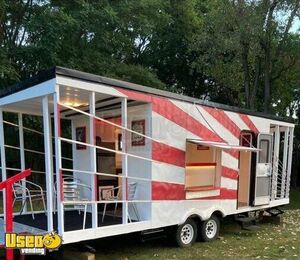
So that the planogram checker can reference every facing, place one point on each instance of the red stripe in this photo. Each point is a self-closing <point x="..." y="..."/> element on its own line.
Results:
<point x="136" y="95"/>
<point x="248" y="122"/>
<point x="167" y="191"/>
<point x="167" y="109"/>
<point x="172" y="191"/>
<point x="170" y="111"/>
<point x="224" y="120"/>
<point x="225" y="194"/>
<point x="168" y="154"/>
<point x="234" y="153"/>
<point x="229" y="173"/>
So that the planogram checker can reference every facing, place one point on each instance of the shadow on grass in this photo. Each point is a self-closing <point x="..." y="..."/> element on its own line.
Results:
<point x="294" y="198"/>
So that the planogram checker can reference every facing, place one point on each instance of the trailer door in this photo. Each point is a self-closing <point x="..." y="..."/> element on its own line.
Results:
<point x="263" y="170"/>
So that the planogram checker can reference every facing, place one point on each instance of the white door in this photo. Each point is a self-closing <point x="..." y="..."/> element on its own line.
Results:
<point x="263" y="169"/>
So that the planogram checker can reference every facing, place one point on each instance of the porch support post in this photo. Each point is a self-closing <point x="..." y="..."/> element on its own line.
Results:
<point x="48" y="163"/>
<point x="22" y="157"/>
<point x="289" y="165"/>
<point x="59" y="180"/>
<point x="124" y="162"/>
<point x="3" y="159"/>
<point x="284" y="162"/>
<point x="93" y="167"/>
<point x="275" y="162"/>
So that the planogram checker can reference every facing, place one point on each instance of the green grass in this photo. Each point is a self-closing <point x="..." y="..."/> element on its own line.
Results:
<point x="271" y="241"/>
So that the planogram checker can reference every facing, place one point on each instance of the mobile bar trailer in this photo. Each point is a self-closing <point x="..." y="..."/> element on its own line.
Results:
<point x="141" y="159"/>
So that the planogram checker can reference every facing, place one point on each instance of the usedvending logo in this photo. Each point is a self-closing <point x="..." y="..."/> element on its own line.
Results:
<point x="33" y="244"/>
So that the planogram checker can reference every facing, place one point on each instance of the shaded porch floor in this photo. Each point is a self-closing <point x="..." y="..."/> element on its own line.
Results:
<point x="72" y="220"/>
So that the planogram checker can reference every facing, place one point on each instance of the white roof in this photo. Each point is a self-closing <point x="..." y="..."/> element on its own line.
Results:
<point x="223" y="145"/>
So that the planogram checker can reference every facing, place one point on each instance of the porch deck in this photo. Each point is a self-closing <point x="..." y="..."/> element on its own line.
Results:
<point x="73" y="221"/>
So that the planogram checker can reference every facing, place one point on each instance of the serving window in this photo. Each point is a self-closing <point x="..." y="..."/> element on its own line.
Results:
<point x="201" y="168"/>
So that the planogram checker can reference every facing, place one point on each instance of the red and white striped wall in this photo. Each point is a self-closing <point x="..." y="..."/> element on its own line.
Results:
<point x="172" y="123"/>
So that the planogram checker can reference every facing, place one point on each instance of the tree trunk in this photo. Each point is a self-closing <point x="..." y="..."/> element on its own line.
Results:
<point x="267" y="80"/>
<point x="267" y="52"/>
<point x="246" y="74"/>
<point x="256" y="82"/>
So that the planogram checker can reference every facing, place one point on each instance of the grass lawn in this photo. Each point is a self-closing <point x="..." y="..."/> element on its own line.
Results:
<point x="271" y="241"/>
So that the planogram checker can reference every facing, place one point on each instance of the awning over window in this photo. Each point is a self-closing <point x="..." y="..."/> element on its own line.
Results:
<point x="224" y="146"/>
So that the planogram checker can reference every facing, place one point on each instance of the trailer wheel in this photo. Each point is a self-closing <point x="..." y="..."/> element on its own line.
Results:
<point x="186" y="233"/>
<point x="209" y="229"/>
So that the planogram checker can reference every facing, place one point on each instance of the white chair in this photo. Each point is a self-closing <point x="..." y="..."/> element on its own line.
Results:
<point x="112" y="198"/>
<point x="72" y="188"/>
<point x="24" y="194"/>
<point x="132" y="187"/>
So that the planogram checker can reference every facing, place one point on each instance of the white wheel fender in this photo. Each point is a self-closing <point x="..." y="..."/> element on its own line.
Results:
<point x="202" y="214"/>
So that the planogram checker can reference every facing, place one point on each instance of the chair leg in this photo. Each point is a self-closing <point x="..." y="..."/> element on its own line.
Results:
<point x="32" y="213"/>
<point x="128" y="215"/>
<point x="84" y="216"/>
<point x="104" y="212"/>
<point x="22" y="208"/>
<point x="136" y="212"/>
<point x="54" y="205"/>
<point x="129" y="218"/>
<point x="116" y="206"/>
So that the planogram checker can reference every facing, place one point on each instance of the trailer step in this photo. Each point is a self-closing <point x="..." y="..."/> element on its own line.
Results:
<point x="275" y="211"/>
<point x="152" y="234"/>
<point x="245" y="219"/>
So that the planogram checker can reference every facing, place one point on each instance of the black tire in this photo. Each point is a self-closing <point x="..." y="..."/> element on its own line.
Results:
<point x="209" y="230"/>
<point x="186" y="234"/>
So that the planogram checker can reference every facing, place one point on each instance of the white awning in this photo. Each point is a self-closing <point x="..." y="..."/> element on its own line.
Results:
<point x="222" y="145"/>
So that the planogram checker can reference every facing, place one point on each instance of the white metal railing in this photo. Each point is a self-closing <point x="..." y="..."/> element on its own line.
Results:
<point x="18" y="169"/>
<point x="109" y="150"/>
<point x="105" y="174"/>
<point x="30" y="150"/>
<point x="25" y="128"/>
<point x="108" y="122"/>
<point x="280" y="189"/>
<point x="33" y="151"/>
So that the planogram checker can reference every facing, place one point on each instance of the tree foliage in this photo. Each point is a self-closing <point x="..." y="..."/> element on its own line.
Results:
<point x="237" y="52"/>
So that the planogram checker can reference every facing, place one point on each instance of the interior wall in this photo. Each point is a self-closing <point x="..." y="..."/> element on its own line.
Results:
<point x="108" y="162"/>
<point x="138" y="167"/>
<point x="81" y="158"/>
<point x="200" y="175"/>
<point x="195" y="155"/>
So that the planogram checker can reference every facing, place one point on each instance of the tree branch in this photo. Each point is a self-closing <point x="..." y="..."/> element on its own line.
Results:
<point x="287" y="28"/>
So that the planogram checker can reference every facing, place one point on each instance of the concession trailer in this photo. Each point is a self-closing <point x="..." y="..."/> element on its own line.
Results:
<point x="117" y="157"/>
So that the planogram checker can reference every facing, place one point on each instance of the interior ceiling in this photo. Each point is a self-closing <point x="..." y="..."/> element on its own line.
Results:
<point x="102" y="105"/>
<point x="71" y="97"/>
